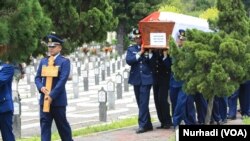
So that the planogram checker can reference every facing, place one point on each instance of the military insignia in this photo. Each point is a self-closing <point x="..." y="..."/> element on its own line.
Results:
<point x="50" y="40"/>
<point x="136" y="31"/>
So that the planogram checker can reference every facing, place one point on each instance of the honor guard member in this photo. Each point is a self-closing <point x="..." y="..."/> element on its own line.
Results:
<point x="244" y="98"/>
<point x="57" y="96"/>
<point x="161" y="78"/>
<point x="219" y="112"/>
<point x="6" y="102"/>
<point x="141" y="78"/>
<point x="200" y="108"/>
<point x="243" y="94"/>
<point x="177" y="96"/>
<point x="232" y="105"/>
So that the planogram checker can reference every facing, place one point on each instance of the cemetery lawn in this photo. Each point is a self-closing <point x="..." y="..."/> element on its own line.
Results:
<point x="246" y="120"/>
<point x="94" y="129"/>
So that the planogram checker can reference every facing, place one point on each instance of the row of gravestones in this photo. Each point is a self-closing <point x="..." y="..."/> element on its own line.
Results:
<point x="79" y="68"/>
<point x="78" y="72"/>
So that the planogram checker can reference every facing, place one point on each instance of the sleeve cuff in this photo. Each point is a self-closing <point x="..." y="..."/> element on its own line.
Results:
<point x="137" y="56"/>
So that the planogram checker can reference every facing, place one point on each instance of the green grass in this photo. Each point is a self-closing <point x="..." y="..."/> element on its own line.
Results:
<point x="93" y="129"/>
<point x="246" y="120"/>
<point x="172" y="137"/>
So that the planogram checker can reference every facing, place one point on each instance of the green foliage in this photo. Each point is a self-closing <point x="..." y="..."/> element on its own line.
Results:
<point x="215" y="63"/>
<point x="191" y="7"/>
<point x="4" y="32"/>
<point x="211" y="13"/>
<point x="169" y="8"/>
<point x="210" y="64"/>
<point x="246" y="120"/>
<point x="232" y="17"/>
<point x="130" y="13"/>
<point x="81" y="21"/>
<point x="22" y="28"/>
<point x="203" y="4"/>
<point x="94" y="129"/>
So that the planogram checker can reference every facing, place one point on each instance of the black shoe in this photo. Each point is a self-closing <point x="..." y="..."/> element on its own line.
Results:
<point x="220" y="122"/>
<point x="142" y="130"/>
<point x="166" y="126"/>
<point x="211" y="122"/>
<point x="163" y="127"/>
<point x="231" y="117"/>
<point x="224" y="121"/>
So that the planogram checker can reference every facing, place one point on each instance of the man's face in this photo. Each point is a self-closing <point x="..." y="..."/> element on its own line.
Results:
<point x="180" y="42"/>
<point x="138" y="40"/>
<point x="54" y="50"/>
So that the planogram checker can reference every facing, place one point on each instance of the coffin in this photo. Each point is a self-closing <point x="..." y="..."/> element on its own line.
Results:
<point x="157" y="28"/>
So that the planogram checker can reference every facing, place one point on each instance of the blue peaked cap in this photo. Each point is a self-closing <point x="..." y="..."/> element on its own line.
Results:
<point x="137" y="33"/>
<point x="53" y="40"/>
<point x="181" y="34"/>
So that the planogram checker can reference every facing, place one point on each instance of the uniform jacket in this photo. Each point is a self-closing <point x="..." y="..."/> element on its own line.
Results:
<point x="140" y="72"/>
<point x="173" y="82"/>
<point x="6" y="77"/>
<point x="161" y="73"/>
<point x="58" y="92"/>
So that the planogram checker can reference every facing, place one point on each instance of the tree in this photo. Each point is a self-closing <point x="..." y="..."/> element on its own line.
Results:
<point x="210" y="13"/>
<point x="203" y="4"/>
<point x="22" y="25"/>
<point x="129" y="14"/>
<point x="215" y="63"/>
<point x="81" y="21"/>
<point x="247" y="6"/>
<point x="169" y="8"/>
<point x="191" y="7"/>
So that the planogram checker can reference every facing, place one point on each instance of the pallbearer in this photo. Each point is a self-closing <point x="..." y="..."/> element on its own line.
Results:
<point x="141" y="78"/>
<point x="6" y="102"/>
<point x="51" y="77"/>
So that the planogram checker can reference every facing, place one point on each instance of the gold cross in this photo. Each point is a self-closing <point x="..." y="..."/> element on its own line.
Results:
<point x="49" y="72"/>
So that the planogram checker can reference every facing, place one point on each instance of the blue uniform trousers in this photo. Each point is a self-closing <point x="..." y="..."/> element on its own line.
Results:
<point x="244" y="98"/>
<point x="200" y="106"/>
<point x="162" y="105"/>
<point x="6" y="126"/>
<point x="178" y="100"/>
<point x="223" y="108"/>
<point x="59" y="115"/>
<point x="142" y="94"/>
<point x="216" y="116"/>
<point x="232" y="104"/>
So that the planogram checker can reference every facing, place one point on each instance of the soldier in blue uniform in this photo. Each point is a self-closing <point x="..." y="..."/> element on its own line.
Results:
<point x="232" y="105"/>
<point x="177" y="96"/>
<point x="161" y="77"/>
<point x="57" y="96"/>
<point x="244" y="97"/>
<point x="141" y="78"/>
<point x="6" y="102"/>
<point x="243" y="94"/>
<point x="216" y="112"/>
<point x="200" y="108"/>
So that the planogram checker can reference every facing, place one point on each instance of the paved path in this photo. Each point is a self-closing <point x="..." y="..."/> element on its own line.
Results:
<point x="128" y="134"/>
